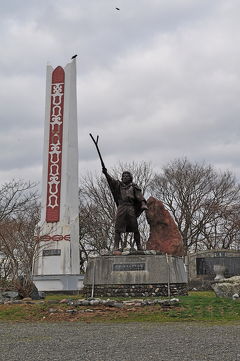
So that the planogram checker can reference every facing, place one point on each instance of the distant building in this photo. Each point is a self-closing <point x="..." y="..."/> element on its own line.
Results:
<point x="200" y="264"/>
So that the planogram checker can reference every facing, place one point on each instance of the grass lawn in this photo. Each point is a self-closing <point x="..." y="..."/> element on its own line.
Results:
<point x="197" y="306"/>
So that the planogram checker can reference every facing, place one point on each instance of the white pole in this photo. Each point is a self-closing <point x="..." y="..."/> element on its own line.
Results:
<point x="93" y="280"/>
<point x="169" y="290"/>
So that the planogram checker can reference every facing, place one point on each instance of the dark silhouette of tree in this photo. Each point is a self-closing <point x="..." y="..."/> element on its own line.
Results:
<point x="203" y="202"/>
<point x="19" y="215"/>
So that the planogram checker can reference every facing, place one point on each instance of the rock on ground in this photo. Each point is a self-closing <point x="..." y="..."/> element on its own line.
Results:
<point x="227" y="287"/>
<point x="164" y="233"/>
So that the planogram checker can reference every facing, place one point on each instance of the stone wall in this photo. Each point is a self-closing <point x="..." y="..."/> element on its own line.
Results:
<point x="137" y="290"/>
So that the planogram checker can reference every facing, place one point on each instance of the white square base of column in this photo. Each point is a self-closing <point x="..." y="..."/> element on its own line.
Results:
<point x="58" y="282"/>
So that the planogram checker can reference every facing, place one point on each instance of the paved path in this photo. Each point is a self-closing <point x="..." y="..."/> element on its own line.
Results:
<point x="118" y="342"/>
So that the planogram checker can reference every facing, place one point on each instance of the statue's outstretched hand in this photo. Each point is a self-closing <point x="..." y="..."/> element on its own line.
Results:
<point x="104" y="170"/>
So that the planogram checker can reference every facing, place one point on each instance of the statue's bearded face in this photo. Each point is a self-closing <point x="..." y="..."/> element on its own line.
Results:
<point x="126" y="177"/>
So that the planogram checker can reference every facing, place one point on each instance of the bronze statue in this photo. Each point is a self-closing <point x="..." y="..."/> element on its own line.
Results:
<point x="130" y="203"/>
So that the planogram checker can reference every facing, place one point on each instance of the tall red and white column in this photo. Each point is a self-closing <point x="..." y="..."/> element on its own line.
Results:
<point x="56" y="264"/>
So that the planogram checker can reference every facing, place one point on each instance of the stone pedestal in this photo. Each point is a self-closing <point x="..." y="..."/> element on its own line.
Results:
<point x="59" y="283"/>
<point x="135" y="275"/>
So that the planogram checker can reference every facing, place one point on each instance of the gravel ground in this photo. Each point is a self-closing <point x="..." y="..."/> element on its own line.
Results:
<point x="119" y="342"/>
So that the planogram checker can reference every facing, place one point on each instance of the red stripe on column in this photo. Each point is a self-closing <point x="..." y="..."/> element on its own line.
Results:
<point x="55" y="146"/>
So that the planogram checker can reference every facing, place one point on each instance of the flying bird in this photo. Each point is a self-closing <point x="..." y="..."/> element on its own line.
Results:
<point x="117" y="8"/>
<point x="74" y="56"/>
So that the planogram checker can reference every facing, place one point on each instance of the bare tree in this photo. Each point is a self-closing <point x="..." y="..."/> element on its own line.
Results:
<point x="19" y="215"/>
<point x="97" y="208"/>
<point x="202" y="201"/>
<point x="224" y="231"/>
<point x="15" y="196"/>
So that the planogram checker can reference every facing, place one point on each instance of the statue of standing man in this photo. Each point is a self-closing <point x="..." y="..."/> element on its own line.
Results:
<point x="130" y="203"/>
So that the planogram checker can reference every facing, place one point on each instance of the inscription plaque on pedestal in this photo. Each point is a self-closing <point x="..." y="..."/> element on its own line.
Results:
<point x="51" y="252"/>
<point x="129" y="267"/>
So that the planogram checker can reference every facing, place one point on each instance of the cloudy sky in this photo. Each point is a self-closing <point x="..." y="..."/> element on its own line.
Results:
<point x="157" y="80"/>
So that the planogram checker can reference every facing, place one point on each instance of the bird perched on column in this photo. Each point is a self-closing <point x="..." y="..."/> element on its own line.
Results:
<point x="74" y="56"/>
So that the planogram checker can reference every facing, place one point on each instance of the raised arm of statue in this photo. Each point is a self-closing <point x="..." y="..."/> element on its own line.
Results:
<point x="110" y="179"/>
<point x="113" y="183"/>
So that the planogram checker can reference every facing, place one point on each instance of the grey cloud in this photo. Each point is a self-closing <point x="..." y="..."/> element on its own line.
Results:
<point x="157" y="80"/>
<point x="23" y="149"/>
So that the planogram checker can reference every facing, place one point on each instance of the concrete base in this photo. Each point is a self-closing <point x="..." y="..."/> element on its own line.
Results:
<point x="135" y="274"/>
<point x="58" y="282"/>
